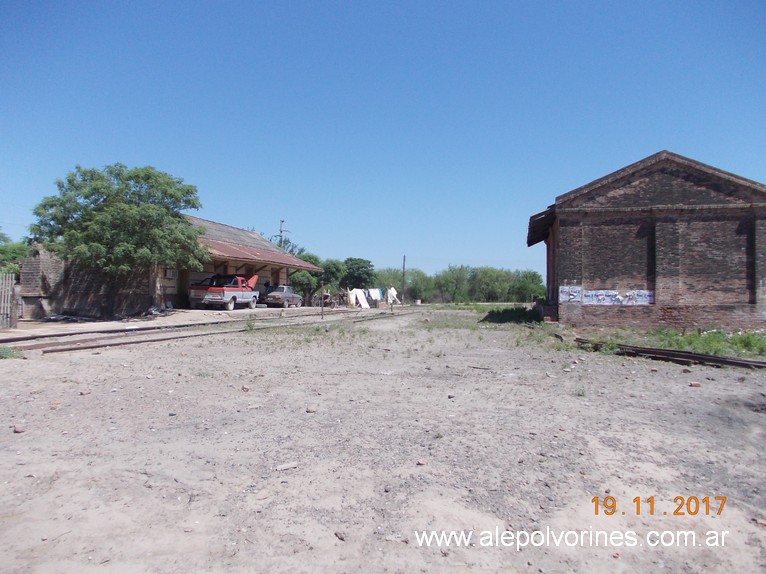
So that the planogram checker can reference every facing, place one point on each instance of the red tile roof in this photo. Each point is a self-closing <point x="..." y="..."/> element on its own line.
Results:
<point x="231" y="251"/>
<point x="235" y="244"/>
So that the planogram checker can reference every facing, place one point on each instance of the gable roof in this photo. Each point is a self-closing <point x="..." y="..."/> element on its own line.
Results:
<point x="540" y="223"/>
<point x="232" y="243"/>
<point x="652" y="163"/>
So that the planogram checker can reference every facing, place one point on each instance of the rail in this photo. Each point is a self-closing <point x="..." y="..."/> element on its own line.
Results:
<point x="673" y="356"/>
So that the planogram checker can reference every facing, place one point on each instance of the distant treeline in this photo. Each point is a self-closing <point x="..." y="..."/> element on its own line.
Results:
<point x="456" y="284"/>
<point x="461" y="284"/>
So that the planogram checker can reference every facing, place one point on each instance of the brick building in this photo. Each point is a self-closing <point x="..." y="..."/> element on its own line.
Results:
<point x="50" y="285"/>
<point x="667" y="241"/>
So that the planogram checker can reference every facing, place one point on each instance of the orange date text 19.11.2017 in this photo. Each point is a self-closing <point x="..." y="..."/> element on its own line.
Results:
<point x="684" y="505"/>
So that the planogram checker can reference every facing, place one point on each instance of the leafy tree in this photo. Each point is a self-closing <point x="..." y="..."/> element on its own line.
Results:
<point x="309" y="283"/>
<point x="489" y="284"/>
<point x="360" y="274"/>
<point x="418" y="285"/>
<point x="121" y="221"/>
<point x="11" y="254"/>
<point x="288" y="245"/>
<point x="526" y="285"/>
<point x="388" y="277"/>
<point x="452" y="283"/>
<point x="333" y="271"/>
<point x="305" y="282"/>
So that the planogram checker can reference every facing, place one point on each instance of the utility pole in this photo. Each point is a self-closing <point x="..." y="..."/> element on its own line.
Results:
<point x="281" y="233"/>
<point x="404" y="259"/>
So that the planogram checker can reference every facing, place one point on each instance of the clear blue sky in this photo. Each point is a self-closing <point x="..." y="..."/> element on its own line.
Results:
<point x="377" y="129"/>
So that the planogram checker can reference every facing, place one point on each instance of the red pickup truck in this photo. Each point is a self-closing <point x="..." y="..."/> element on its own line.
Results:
<point x="224" y="290"/>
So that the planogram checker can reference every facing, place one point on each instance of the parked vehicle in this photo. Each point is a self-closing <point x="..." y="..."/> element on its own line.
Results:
<point x="224" y="290"/>
<point x="283" y="296"/>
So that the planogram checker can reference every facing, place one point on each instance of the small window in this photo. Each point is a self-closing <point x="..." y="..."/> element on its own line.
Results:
<point x="170" y="273"/>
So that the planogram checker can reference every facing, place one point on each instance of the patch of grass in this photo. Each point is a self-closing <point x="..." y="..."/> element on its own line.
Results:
<point x="449" y="320"/>
<point x="580" y="392"/>
<point x="475" y="307"/>
<point x="538" y="336"/>
<point x="8" y="353"/>
<point x="713" y="342"/>
<point x="746" y="344"/>
<point x="750" y="342"/>
<point x="608" y="348"/>
<point x="565" y="347"/>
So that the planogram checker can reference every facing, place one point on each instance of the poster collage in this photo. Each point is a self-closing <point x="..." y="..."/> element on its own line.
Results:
<point x="576" y="294"/>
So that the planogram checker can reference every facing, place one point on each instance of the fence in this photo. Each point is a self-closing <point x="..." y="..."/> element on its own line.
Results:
<point x="8" y="309"/>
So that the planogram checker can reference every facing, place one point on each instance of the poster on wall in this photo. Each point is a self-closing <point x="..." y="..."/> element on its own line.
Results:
<point x="570" y="294"/>
<point x="613" y="297"/>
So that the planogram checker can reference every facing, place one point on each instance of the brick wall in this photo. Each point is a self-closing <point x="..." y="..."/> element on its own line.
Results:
<point x="83" y="292"/>
<point x="51" y="286"/>
<point x="618" y="254"/>
<point x="716" y="263"/>
<point x="570" y="252"/>
<point x="691" y="237"/>
<point x="668" y="185"/>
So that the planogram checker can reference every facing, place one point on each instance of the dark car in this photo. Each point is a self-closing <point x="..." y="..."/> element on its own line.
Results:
<point x="283" y="296"/>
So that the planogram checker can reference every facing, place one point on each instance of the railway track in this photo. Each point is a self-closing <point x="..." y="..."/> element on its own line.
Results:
<point x="105" y="338"/>
<point x="681" y="357"/>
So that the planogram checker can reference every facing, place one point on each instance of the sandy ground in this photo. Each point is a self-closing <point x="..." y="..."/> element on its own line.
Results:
<point x="326" y="448"/>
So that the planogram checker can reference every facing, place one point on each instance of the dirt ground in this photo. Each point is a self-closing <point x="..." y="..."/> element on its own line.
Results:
<point x="328" y="447"/>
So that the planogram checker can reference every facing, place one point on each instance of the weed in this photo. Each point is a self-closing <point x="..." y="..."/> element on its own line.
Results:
<point x="580" y="392"/>
<point x="609" y="348"/>
<point x="713" y="342"/>
<point x="9" y="353"/>
<point x="566" y="347"/>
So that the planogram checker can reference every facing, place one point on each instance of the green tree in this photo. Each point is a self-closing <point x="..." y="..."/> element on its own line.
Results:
<point x="489" y="284"/>
<point x="333" y="271"/>
<point x="418" y="285"/>
<point x="305" y="282"/>
<point x="121" y="221"/>
<point x="526" y="286"/>
<point x="360" y="273"/>
<point x="388" y="277"/>
<point x="309" y="283"/>
<point x="11" y="254"/>
<point x="452" y="283"/>
<point x="288" y="245"/>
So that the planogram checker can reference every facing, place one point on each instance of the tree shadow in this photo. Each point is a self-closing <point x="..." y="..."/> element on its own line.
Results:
<point x="512" y="315"/>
